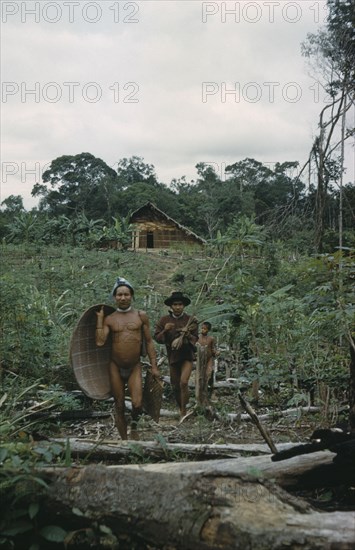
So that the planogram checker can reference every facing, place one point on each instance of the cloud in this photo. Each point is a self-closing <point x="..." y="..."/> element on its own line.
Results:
<point x="118" y="79"/>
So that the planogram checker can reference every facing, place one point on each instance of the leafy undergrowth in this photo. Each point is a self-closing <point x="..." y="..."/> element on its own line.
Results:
<point x="284" y="324"/>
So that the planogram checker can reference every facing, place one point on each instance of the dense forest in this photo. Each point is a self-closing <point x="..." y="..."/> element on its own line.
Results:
<point x="84" y="201"/>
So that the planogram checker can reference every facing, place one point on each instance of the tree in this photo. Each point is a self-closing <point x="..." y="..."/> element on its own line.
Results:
<point x="13" y="204"/>
<point x="80" y="183"/>
<point x="189" y="203"/>
<point x="13" y="207"/>
<point x="134" y="170"/>
<point x="137" y="194"/>
<point x="333" y="49"/>
<point x="208" y="189"/>
<point x="23" y="228"/>
<point x="268" y="194"/>
<point x="342" y="32"/>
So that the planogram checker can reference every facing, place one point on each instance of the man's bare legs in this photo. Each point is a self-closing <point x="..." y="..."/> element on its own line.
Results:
<point x="135" y="391"/>
<point x="118" y="392"/>
<point x="134" y="384"/>
<point x="179" y="377"/>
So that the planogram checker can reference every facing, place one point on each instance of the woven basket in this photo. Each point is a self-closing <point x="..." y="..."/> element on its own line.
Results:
<point x="152" y="395"/>
<point x="89" y="361"/>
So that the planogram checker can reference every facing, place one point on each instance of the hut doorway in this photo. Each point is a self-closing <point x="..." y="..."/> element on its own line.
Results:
<point x="150" y="239"/>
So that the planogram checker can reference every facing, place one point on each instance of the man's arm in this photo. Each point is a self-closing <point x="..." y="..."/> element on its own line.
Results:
<point x="150" y="344"/>
<point x="161" y="329"/>
<point x="102" y="329"/>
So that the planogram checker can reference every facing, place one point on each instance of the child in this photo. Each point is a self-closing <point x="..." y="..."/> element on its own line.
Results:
<point x="210" y="343"/>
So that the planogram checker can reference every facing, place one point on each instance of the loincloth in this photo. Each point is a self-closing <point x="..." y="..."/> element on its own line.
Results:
<point x="125" y="373"/>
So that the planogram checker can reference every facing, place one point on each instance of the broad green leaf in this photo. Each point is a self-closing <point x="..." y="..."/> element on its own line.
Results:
<point x="105" y="529"/>
<point x="53" y="533"/>
<point x="3" y="453"/>
<point x="33" y="509"/>
<point x="3" y="399"/>
<point x="77" y="512"/>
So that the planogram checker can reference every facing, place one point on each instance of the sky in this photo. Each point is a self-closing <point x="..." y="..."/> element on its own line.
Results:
<point x="176" y="82"/>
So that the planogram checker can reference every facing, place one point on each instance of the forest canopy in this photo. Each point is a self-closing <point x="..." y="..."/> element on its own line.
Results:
<point x="83" y="191"/>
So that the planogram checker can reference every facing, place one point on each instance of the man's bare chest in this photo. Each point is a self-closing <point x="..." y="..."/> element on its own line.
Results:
<point x="129" y="322"/>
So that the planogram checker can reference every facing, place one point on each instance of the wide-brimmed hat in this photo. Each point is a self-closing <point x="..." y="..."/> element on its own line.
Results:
<point x="120" y="281"/>
<point x="177" y="297"/>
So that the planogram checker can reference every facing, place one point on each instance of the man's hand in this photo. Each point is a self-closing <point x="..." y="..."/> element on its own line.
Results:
<point x="155" y="372"/>
<point x="100" y="318"/>
<point x="169" y="326"/>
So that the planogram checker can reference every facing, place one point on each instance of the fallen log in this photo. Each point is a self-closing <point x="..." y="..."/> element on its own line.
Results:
<point x="220" y="384"/>
<point x="232" y="417"/>
<point x="201" y="506"/>
<point x="82" y="414"/>
<point x="158" y="450"/>
<point x="273" y="415"/>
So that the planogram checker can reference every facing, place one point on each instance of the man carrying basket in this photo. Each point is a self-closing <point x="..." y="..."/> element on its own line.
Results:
<point x="128" y="328"/>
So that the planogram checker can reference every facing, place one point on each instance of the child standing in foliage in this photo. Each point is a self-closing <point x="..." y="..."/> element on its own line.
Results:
<point x="178" y="331"/>
<point x="127" y="327"/>
<point x="210" y="343"/>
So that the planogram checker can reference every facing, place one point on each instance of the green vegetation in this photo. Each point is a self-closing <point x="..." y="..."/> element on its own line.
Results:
<point x="287" y="317"/>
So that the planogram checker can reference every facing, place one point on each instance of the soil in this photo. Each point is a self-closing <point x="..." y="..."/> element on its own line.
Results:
<point x="200" y="428"/>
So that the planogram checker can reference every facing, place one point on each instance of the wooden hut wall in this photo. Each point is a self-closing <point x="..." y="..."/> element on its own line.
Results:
<point x="159" y="235"/>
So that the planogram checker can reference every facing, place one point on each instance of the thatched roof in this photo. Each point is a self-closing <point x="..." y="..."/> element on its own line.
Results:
<point x="151" y="212"/>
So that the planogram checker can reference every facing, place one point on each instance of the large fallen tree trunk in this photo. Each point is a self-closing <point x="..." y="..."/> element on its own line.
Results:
<point x="208" y="505"/>
<point x="159" y="450"/>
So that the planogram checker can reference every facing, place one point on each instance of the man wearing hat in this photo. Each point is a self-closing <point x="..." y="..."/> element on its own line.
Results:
<point x="179" y="332"/>
<point x="128" y="327"/>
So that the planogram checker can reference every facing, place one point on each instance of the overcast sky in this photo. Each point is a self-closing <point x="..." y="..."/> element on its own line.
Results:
<point x="175" y="82"/>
